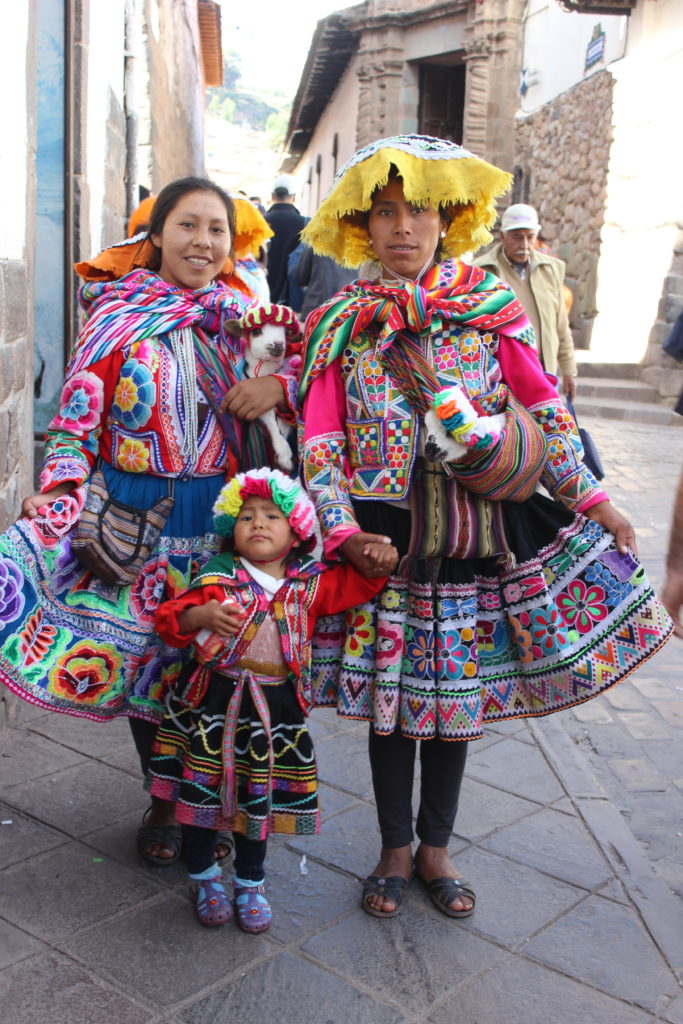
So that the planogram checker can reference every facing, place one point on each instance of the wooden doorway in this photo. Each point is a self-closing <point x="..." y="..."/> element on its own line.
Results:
<point x="442" y="101"/>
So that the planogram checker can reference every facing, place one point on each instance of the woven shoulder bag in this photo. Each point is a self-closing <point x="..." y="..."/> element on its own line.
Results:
<point x="114" y="540"/>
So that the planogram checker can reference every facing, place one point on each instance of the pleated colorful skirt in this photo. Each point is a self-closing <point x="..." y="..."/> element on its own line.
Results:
<point x="70" y="642"/>
<point x="453" y="644"/>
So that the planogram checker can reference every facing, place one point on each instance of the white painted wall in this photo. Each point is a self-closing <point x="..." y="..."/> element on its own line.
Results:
<point x="340" y="116"/>
<point x="644" y="191"/>
<point x="554" y="49"/>
<point x="13" y="169"/>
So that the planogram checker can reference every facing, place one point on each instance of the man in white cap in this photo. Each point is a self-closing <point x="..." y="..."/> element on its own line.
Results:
<point x="286" y="222"/>
<point x="536" y="279"/>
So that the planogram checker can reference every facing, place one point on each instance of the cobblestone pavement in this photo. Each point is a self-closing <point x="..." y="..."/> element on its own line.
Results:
<point x="569" y="828"/>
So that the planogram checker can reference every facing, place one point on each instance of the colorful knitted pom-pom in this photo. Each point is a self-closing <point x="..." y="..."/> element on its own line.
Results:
<point x="459" y="417"/>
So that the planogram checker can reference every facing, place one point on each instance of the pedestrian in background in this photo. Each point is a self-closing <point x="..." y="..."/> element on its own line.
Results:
<point x="286" y="223"/>
<point x="672" y="591"/>
<point x="536" y="278"/>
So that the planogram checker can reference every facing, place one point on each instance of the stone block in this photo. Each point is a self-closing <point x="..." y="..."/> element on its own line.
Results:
<point x="56" y="894"/>
<point x="627" y="966"/>
<point x="673" y="285"/>
<point x="52" y="988"/>
<point x="104" y="795"/>
<point x="162" y="933"/>
<point x="669" y="307"/>
<point x="556" y="844"/>
<point x="527" y="990"/>
<point x="310" y="993"/>
<point x="519" y="769"/>
<point x="384" y="959"/>
<point x="16" y="299"/>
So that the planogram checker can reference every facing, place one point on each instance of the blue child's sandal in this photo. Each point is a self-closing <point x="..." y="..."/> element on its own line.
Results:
<point x="212" y="905"/>
<point x="252" y="909"/>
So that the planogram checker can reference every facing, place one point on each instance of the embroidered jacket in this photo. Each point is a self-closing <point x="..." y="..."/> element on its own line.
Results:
<point x="309" y="591"/>
<point x="360" y="435"/>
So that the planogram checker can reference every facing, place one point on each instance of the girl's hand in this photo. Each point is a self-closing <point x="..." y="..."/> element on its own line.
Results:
<point x="223" y="619"/>
<point x="30" y="505"/>
<point x="250" y="398"/>
<point x="372" y="554"/>
<point x="606" y="514"/>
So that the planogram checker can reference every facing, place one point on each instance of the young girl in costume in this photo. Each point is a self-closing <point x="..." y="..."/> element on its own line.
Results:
<point x="233" y="750"/>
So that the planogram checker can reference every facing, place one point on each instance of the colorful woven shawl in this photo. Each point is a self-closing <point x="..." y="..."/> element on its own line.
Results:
<point x="141" y="305"/>
<point x="451" y="291"/>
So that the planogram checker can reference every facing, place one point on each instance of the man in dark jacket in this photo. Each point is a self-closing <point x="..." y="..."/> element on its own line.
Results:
<point x="286" y="223"/>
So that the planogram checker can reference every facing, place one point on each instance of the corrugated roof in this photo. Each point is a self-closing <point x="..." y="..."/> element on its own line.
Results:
<point x="209" y="17"/>
<point x="334" y="42"/>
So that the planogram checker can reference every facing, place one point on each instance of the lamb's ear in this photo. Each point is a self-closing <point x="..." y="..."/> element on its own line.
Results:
<point x="234" y="327"/>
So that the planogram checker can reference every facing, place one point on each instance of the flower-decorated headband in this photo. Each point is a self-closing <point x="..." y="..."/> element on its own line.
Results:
<point x="268" y="313"/>
<point x="434" y="173"/>
<point x="286" y="493"/>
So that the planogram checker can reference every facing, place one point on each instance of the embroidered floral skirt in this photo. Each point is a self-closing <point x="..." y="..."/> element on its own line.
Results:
<point x="461" y="643"/>
<point x="72" y="643"/>
<point x="256" y="777"/>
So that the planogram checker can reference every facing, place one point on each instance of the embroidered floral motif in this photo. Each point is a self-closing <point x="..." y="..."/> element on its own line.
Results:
<point x="133" y="456"/>
<point x="360" y="633"/>
<point x="81" y="403"/>
<point x="134" y="396"/>
<point x="548" y="630"/>
<point x="56" y="519"/>
<point x="420" y="652"/>
<point x="11" y="597"/>
<point x="389" y="645"/>
<point x="582" y="606"/>
<point x="82" y="672"/>
<point x="453" y="657"/>
<point x="36" y="639"/>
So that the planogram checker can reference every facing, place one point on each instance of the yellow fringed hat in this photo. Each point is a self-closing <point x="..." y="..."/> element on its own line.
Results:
<point x="434" y="173"/>
<point x="251" y="227"/>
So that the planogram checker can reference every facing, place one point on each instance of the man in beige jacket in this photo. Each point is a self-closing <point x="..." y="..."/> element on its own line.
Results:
<point x="536" y="279"/>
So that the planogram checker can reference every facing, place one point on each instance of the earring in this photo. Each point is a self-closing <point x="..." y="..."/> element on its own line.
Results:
<point x="443" y="234"/>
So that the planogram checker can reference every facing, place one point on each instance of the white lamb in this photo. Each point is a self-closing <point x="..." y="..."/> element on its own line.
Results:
<point x="267" y="330"/>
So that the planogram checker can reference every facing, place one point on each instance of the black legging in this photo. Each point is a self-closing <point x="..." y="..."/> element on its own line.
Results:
<point x="199" y="847"/>
<point x="144" y="734"/>
<point x="392" y="760"/>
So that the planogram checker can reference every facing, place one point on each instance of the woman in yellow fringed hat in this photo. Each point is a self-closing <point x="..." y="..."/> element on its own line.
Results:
<point x="428" y="423"/>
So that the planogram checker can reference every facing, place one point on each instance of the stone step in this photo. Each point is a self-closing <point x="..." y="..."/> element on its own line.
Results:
<point x="622" y="371"/>
<point x="613" y="387"/>
<point x="622" y="409"/>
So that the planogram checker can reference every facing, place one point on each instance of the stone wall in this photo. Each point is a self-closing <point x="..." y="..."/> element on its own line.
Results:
<point x="562" y="158"/>
<point x="659" y="369"/>
<point x="17" y="244"/>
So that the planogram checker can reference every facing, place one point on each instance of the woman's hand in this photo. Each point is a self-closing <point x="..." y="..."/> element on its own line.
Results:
<point x="606" y="514"/>
<point x="223" y="619"/>
<point x="372" y="554"/>
<point x="30" y="505"/>
<point x="250" y="398"/>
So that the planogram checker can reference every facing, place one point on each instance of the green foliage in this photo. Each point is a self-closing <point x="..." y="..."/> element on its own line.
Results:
<point x="267" y="111"/>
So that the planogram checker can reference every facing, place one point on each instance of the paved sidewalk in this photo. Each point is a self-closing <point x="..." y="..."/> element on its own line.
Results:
<point x="569" y="827"/>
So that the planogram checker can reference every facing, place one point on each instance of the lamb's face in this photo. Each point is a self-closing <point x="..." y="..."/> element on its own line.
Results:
<point x="267" y="342"/>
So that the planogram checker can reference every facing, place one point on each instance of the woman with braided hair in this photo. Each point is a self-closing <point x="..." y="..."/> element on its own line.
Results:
<point x="428" y="423"/>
